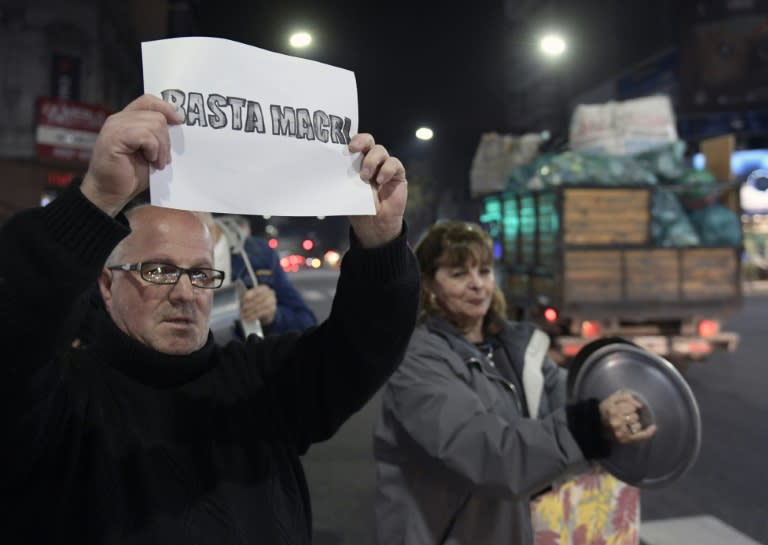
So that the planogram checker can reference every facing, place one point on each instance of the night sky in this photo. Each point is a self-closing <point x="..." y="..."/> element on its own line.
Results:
<point x="443" y="64"/>
<point x="416" y="63"/>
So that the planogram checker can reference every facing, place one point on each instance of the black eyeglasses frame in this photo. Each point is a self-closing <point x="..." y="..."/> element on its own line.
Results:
<point x="190" y="272"/>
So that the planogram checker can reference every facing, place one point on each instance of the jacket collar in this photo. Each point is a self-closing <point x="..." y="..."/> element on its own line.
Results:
<point x="451" y="335"/>
<point x="514" y="336"/>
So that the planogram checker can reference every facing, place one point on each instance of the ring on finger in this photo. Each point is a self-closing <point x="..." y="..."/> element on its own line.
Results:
<point x="634" y="427"/>
<point x="631" y="426"/>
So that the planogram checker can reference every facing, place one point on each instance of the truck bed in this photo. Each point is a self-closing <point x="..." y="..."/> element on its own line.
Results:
<point x="587" y="252"/>
<point x="591" y="246"/>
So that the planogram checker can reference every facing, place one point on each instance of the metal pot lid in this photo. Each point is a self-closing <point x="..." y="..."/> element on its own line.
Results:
<point x="608" y="365"/>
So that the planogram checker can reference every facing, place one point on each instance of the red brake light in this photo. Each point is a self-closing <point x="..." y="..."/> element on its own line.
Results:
<point x="550" y="315"/>
<point x="590" y="329"/>
<point x="571" y="350"/>
<point x="708" y="328"/>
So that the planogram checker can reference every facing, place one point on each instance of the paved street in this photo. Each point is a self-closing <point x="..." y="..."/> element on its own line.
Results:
<point x="722" y="500"/>
<point x="729" y="479"/>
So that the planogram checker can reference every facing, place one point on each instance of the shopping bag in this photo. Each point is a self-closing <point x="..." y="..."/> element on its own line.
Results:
<point x="593" y="508"/>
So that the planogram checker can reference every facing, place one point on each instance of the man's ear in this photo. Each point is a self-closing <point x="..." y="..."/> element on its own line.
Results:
<point x="105" y="286"/>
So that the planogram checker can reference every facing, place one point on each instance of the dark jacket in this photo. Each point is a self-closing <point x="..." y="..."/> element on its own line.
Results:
<point x="114" y="442"/>
<point x="292" y="314"/>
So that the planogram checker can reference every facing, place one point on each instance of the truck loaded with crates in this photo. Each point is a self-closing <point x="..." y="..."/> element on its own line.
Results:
<point x="587" y="259"/>
<point x="578" y="261"/>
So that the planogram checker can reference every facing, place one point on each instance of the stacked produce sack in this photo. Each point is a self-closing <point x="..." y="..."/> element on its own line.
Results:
<point x="635" y="143"/>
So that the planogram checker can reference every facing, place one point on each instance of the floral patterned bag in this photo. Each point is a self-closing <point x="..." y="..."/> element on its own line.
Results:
<point x="594" y="508"/>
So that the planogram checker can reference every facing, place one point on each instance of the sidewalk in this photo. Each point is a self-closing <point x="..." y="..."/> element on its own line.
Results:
<point x="698" y="530"/>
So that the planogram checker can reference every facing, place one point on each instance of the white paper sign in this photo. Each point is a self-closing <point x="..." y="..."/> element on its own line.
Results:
<point x="264" y="133"/>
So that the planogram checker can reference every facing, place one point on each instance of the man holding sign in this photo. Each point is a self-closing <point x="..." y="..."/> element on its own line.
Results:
<point x="151" y="433"/>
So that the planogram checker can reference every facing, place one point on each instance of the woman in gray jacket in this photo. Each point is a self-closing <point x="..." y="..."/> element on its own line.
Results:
<point x="474" y="423"/>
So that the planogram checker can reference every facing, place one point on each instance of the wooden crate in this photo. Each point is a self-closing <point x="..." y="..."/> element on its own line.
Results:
<point x="652" y="274"/>
<point x="592" y="276"/>
<point x="606" y="215"/>
<point x="709" y="273"/>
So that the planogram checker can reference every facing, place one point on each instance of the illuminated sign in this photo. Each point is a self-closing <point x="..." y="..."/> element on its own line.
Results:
<point x="67" y="130"/>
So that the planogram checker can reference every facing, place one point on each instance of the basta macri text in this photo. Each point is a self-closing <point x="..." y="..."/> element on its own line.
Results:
<point x="217" y="112"/>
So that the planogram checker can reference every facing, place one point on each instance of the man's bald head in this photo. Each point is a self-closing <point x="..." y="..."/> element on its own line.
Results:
<point x="145" y="218"/>
<point x="169" y="318"/>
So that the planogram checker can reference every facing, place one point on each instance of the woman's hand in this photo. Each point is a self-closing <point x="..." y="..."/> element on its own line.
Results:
<point x="620" y="414"/>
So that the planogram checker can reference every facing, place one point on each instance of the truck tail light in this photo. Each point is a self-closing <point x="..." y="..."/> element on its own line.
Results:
<point x="570" y="350"/>
<point x="550" y="315"/>
<point x="708" y="328"/>
<point x="590" y="329"/>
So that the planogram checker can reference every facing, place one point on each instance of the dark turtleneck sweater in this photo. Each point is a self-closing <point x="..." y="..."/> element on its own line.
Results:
<point x="114" y="442"/>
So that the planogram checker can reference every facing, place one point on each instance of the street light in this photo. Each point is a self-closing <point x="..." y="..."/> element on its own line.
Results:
<point x="424" y="133"/>
<point x="300" y="39"/>
<point x="552" y="45"/>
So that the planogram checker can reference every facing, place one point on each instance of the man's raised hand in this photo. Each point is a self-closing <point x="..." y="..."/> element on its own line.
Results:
<point x="128" y="143"/>
<point x="386" y="175"/>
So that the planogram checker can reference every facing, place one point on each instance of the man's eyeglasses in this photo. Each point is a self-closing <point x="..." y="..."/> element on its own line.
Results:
<point x="165" y="273"/>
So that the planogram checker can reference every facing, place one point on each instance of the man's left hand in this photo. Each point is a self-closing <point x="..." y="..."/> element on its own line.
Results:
<point x="386" y="175"/>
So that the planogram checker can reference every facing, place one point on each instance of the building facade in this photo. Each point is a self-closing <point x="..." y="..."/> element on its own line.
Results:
<point x="78" y="57"/>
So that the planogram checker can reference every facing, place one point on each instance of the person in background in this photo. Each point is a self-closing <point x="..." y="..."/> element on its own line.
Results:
<point x="474" y="423"/>
<point x="273" y="301"/>
<point x="149" y="433"/>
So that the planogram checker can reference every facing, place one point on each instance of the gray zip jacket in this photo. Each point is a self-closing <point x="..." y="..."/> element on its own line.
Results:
<point x="457" y="459"/>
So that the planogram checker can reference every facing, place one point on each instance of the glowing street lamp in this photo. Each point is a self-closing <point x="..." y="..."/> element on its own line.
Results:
<point x="424" y="133"/>
<point x="300" y="40"/>
<point x="552" y="45"/>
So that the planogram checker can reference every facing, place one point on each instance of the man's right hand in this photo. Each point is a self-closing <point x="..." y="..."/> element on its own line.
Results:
<point x="259" y="303"/>
<point x="128" y="143"/>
